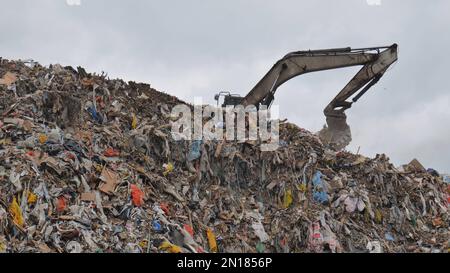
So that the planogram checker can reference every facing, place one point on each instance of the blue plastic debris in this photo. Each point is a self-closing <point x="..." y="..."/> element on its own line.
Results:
<point x="446" y="178"/>
<point x="320" y="192"/>
<point x="320" y="196"/>
<point x="117" y="230"/>
<point x="317" y="179"/>
<point x="156" y="225"/>
<point x="433" y="172"/>
<point x="283" y="143"/>
<point x="95" y="115"/>
<point x="194" y="153"/>
<point x="389" y="237"/>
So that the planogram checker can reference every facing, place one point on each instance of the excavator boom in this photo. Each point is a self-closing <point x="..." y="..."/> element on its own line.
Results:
<point x="302" y="62"/>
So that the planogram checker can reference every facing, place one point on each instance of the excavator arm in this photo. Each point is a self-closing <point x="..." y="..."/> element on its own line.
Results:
<point x="375" y="62"/>
<point x="302" y="62"/>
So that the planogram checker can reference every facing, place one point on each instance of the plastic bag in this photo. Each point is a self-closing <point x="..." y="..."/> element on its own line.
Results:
<point x="374" y="247"/>
<point x="194" y="152"/>
<point x="259" y="231"/>
<point x="319" y="194"/>
<point x="95" y="115"/>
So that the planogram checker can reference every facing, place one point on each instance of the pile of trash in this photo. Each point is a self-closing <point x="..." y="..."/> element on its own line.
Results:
<point x="88" y="164"/>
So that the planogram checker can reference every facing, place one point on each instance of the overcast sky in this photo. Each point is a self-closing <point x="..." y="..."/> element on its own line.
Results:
<point x="198" y="47"/>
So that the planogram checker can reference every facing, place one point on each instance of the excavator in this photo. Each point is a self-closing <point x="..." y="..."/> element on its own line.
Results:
<point x="336" y="134"/>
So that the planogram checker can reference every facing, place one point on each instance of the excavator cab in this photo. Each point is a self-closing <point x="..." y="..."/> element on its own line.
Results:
<point x="228" y="99"/>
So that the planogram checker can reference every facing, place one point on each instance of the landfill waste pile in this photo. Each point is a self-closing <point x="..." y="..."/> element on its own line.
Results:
<point x="88" y="164"/>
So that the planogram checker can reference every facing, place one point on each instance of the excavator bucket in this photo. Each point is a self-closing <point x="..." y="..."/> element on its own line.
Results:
<point x="336" y="134"/>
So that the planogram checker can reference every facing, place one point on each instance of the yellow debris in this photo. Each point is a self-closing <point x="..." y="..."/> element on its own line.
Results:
<point x="134" y="122"/>
<point x="16" y="212"/>
<point x="143" y="244"/>
<point x="378" y="216"/>
<point x="42" y="138"/>
<point x="169" y="247"/>
<point x="32" y="198"/>
<point x="302" y="187"/>
<point x="169" y="168"/>
<point x="287" y="201"/>
<point x="5" y="141"/>
<point x="211" y="240"/>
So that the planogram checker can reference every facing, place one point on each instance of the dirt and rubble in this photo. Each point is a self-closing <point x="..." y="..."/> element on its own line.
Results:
<point x="88" y="164"/>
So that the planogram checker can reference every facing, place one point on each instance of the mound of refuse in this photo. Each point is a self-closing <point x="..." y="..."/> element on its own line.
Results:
<point x="88" y="164"/>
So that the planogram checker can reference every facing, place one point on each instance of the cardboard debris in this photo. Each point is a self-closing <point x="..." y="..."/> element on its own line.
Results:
<point x="110" y="180"/>
<point x="88" y="196"/>
<point x="8" y="79"/>
<point x="415" y="166"/>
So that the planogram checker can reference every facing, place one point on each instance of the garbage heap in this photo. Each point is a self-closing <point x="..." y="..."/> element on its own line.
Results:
<point x="88" y="164"/>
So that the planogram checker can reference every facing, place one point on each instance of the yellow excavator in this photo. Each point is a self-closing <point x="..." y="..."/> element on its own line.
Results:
<point x="336" y="135"/>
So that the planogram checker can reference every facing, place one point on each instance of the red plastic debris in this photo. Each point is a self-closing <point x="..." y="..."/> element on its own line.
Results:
<point x="110" y="152"/>
<point x="200" y="250"/>
<point x="100" y="102"/>
<point x="61" y="204"/>
<point x="165" y="208"/>
<point x="70" y="156"/>
<point x="137" y="196"/>
<point x="189" y="229"/>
